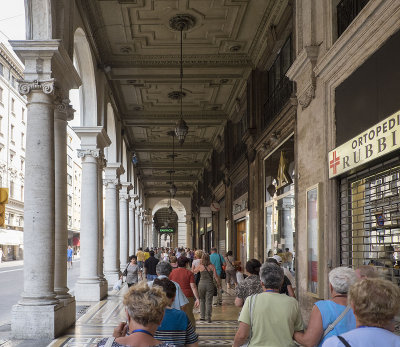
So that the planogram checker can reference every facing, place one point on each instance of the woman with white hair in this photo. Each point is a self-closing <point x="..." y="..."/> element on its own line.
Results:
<point x="269" y="318"/>
<point x="331" y="317"/>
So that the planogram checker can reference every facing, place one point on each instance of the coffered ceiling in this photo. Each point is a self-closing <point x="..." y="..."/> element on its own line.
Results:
<point x="135" y="41"/>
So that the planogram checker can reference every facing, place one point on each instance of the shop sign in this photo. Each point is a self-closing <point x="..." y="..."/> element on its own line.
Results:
<point x="240" y="206"/>
<point x="373" y="143"/>
<point x="167" y="230"/>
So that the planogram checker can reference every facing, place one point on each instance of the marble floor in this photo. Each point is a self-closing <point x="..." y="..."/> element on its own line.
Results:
<point x="99" y="320"/>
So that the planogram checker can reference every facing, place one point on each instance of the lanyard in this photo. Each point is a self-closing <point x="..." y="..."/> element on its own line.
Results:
<point x="269" y="290"/>
<point x="142" y="331"/>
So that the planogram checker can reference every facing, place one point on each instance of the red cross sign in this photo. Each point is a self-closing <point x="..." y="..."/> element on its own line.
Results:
<point x="334" y="162"/>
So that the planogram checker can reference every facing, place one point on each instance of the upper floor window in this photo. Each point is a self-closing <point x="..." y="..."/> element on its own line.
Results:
<point x="69" y="179"/>
<point x="347" y="10"/>
<point x="13" y="81"/>
<point x="12" y="189"/>
<point x="22" y="164"/>
<point x="22" y="140"/>
<point x="69" y="161"/>
<point x="1" y="95"/>
<point x="12" y="133"/>
<point x="22" y="193"/>
<point x="23" y="115"/>
<point x="12" y="105"/>
<point x="1" y="69"/>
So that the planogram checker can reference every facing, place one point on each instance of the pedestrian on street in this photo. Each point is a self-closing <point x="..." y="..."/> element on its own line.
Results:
<point x="1" y="255"/>
<point x="132" y="271"/>
<point x="230" y="270"/>
<point x="150" y="267"/>
<point x="185" y="279"/>
<point x="208" y="274"/>
<point x="70" y="252"/>
<point x="217" y="260"/>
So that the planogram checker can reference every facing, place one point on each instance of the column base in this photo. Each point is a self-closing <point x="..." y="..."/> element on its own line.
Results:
<point x="91" y="291"/>
<point x="112" y="278"/>
<point x="42" y="322"/>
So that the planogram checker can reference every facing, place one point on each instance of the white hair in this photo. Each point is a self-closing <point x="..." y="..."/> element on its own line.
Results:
<point x="342" y="278"/>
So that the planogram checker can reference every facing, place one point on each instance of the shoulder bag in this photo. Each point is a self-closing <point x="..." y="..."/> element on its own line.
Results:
<point x="332" y="325"/>
<point x="223" y="273"/>
<point x="344" y="341"/>
<point x="252" y="302"/>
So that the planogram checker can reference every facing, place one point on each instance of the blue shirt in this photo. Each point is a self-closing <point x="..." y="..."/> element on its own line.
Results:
<point x="180" y="298"/>
<point x="217" y="261"/>
<point x="330" y="311"/>
<point x="69" y="252"/>
<point x="176" y="329"/>
<point x="366" y="337"/>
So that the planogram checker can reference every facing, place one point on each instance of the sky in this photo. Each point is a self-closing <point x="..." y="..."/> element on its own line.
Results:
<point x="12" y="20"/>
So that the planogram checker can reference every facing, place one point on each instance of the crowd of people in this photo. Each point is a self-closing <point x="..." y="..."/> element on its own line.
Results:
<point x="166" y="286"/>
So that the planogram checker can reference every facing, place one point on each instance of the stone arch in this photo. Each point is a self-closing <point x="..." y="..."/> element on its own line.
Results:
<point x="181" y="211"/>
<point x="84" y="65"/>
<point x="112" y="150"/>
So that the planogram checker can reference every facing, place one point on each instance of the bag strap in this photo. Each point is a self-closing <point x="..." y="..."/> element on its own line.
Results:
<point x="212" y="278"/>
<point x="343" y="340"/>
<point x="338" y="319"/>
<point x="220" y="259"/>
<point x="227" y="258"/>
<point x="109" y="342"/>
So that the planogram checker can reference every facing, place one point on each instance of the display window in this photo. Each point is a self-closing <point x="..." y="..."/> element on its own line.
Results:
<point x="279" y="233"/>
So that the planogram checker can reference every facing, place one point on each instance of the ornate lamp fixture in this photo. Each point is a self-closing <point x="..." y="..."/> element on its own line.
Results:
<point x="181" y="22"/>
<point x="173" y="188"/>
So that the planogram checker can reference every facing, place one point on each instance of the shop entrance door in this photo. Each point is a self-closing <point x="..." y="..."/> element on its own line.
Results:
<point x="241" y="244"/>
<point x="370" y="221"/>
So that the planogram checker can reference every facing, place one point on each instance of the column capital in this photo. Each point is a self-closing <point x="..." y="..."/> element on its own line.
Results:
<point x="46" y="86"/>
<point x="137" y="212"/>
<point x="82" y="153"/>
<point x="133" y="195"/>
<point x="126" y="187"/>
<point x="101" y="160"/>
<point x="64" y="110"/>
<point x="123" y="196"/>
<point x="110" y="181"/>
<point x="132" y="205"/>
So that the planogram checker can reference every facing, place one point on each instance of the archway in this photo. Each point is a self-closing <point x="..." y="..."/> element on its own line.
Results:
<point x="179" y="209"/>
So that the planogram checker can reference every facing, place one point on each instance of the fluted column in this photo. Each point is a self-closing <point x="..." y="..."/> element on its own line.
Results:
<point x="62" y="114"/>
<point x="89" y="286"/>
<point x="111" y="256"/>
<point x="123" y="224"/>
<point x="142" y="238"/>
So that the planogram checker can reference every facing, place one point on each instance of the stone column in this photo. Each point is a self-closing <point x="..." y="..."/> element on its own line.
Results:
<point x="101" y="165"/>
<point x="63" y="113"/>
<point x="38" y="300"/>
<point x="132" y="240"/>
<point x="111" y="256"/>
<point x="39" y="314"/>
<point x="142" y="238"/>
<point x="123" y="225"/>
<point x="89" y="286"/>
<point x="137" y="229"/>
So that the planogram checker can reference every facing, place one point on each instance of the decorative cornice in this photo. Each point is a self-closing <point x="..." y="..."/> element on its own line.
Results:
<point x="63" y="106"/>
<point x="25" y="87"/>
<point x="82" y="153"/>
<point x="110" y="183"/>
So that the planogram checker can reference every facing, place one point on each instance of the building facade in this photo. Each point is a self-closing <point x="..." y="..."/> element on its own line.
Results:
<point x="12" y="153"/>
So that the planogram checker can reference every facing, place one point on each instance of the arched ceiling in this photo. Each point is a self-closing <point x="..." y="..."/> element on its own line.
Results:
<point x="139" y="52"/>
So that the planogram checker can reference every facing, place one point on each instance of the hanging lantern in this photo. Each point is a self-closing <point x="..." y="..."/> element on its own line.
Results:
<point x="170" y="209"/>
<point x="173" y="190"/>
<point x="181" y="131"/>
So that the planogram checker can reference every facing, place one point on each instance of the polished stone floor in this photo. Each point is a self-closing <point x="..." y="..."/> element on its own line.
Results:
<point x="98" y="320"/>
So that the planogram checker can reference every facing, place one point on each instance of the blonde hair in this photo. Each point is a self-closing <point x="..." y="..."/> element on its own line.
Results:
<point x="375" y="301"/>
<point x="146" y="305"/>
<point x="198" y="254"/>
<point x="205" y="259"/>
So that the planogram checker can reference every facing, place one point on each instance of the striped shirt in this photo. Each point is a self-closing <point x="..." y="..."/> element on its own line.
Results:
<point x="176" y="329"/>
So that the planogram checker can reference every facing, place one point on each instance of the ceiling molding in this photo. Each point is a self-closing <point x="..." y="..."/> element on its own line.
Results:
<point x="167" y="166"/>
<point x="167" y="147"/>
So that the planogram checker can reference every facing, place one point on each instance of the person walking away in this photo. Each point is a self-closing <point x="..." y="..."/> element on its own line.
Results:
<point x="185" y="278"/>
<point x="375" y="303"/>
<point x="230" y="270"/>
<point x="206" y="286"/>
<point x="288" y="259"/>
<point x="150" y="267"/>
<point x="175" y="327"/>
<point x="251" y="284"/>
<point x="326" y="312"/>
<point x="163" y="270"/>
<point x="286" y="271"/>
<point x="70" y="252"/>
<point x="146" y="254"/>
<point x="132" y="271"/>
<point x="287" y="285"/>
<point x="217" y="260"/>
<point x="140" y="259"/>
<point x="271" y="317"/>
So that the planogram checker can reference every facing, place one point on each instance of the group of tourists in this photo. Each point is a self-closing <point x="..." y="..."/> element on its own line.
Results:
<point x="167" y="285"/>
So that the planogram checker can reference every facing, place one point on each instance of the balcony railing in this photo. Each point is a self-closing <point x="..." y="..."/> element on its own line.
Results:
<point x="347" y="10"/>
<point x="279" y="97"/>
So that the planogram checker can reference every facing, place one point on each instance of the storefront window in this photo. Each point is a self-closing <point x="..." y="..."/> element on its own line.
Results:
<point x="280" y="202"/>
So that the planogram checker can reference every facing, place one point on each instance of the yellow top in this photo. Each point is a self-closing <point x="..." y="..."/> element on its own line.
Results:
<point x="146" y="255"/>
<point x="140" y="256"/>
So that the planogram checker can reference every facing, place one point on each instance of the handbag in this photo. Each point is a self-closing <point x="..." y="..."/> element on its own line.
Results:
<point x="223" y="273"/>
<point x="125" y="273"/>
<point x="252" y="302"/>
